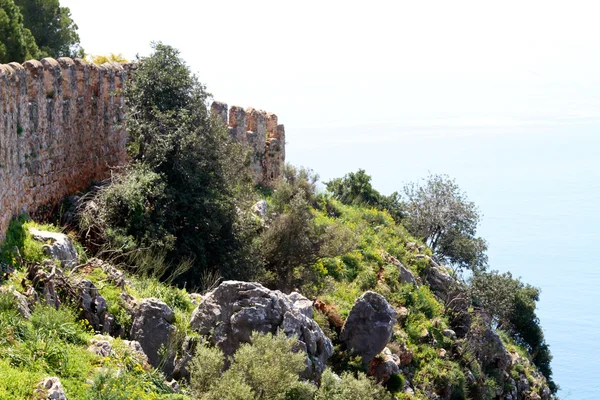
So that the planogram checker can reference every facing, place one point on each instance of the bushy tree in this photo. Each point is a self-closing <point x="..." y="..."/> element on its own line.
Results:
<point x="187" y="180"/>
<point x="52" y="27"/>
<point x="511" y="306"/>
<point x="440" y="214"/>
<point x="347" y="387"/>
<point x="16" y="41"/>
<point x="266" y="368"/>
<point x="355" y="188"/>
<point x="291" y="239"/>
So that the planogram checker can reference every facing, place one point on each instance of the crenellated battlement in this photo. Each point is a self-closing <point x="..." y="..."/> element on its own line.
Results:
<point x="261" y="131"/>
<point x="62" y="127"/>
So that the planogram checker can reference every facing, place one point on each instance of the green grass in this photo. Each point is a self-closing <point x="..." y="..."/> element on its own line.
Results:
<point x="30" y="250"/>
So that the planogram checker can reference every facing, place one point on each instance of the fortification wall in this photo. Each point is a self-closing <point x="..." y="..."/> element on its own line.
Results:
<point x="261" y="131"/>
<point x="60" y="129"/>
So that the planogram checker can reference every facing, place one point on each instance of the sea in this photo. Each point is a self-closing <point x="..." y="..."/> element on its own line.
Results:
<point x="537" y="185"/>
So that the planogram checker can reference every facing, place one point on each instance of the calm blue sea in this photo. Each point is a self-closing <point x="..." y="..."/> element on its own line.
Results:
<point x="538" y="186"/>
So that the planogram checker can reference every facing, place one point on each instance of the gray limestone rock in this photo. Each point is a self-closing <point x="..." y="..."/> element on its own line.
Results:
<point x="231" y="312"/>
<point x="20" y="301"/>
<point x="51" y="389"/>
<point x="383" y="366"/>
<point x="369" y="326"/>
<point x="101" y="347"/>
<point x="260" y="208"/>
<point x="153" y="328"/>
<point x="57" y="246"/>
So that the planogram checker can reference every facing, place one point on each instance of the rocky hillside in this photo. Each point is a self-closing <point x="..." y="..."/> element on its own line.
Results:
<point x="180" y="278"/>
<point x="79" y="328"/>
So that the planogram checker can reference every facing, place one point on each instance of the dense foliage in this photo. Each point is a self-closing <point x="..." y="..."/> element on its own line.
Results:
<point x="440" y="214"/>
<point x="185" y="181"/>
<point x="16" y="41"/>
<point x="355" y="188"/>
<point x="31" y="29"/>
<point x="511" y="306"/>
<point x="54" y="30"/>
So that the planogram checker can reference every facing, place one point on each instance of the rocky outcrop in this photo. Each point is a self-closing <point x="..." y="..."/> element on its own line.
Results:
<point x="153" y="328"/>
<point x="95" y="309"/>
<point x="57" y="246"/>
<point x="104" y="347"/>
<point x="51" y="389"/>
<point x="451" y="292"/>
<point x="405" y="275"/>
<point x="230" y="313"/>
<point x="369" y="326"/>
<point x="260" y="209"/>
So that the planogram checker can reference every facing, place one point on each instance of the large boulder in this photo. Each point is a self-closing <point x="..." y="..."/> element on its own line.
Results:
<point x="369" y="326"/>
<point x="488" y="347"/>
<point x="231" y="312"/>
<point x="153" y="328"/>
<point x="57" y="246"/>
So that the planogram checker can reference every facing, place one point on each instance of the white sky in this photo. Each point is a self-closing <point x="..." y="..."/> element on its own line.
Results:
<point x="322" y="66"/>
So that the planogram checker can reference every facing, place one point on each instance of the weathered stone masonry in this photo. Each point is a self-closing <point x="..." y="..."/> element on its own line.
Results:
<point x="61" y="127"/>
<point x="259" y="130"/>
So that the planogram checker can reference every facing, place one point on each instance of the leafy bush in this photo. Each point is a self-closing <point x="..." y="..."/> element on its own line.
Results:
<point x="439" y="213"/>
<point x="356" y="189"/>
<point x="187" y="179"/>
<point x="348" y="387"/>
<point x="266" y="368"/>
<point x="511" y="306"/>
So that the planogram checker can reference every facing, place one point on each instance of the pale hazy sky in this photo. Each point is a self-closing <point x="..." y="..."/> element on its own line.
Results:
<point x="328" y="68"/>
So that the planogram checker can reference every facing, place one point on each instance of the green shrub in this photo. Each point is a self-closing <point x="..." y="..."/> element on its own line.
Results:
<point x="206" y="368"/>
<point x="350" y="388"/>
<point x="17" y="383"/>
<point x="266" y="368"/>
<point x="62" y="324"/>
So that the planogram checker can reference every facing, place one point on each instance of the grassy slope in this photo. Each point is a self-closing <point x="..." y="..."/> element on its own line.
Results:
<point x="53" y="343"/>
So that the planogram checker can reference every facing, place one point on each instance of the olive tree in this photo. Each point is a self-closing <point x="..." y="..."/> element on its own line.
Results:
<point x="440" y="214"/>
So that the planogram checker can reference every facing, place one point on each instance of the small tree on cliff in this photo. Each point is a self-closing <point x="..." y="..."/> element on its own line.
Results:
<point x="511" y="306"/>
<point x="440" y="214"/>
<point x="355" y="188"/>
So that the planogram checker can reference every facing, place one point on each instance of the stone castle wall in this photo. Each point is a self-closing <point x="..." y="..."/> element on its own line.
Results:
<point x="261" y="131"/>
<point x="62" y="127"/>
